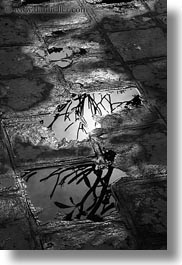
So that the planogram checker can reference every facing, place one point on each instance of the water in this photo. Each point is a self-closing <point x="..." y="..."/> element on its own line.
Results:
<point x="79" y="116"/>
<point x="93" y="195"/>
<point x="82" y="190"/>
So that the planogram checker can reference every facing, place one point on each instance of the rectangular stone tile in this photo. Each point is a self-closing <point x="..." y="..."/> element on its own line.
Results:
<point x="55" y="14"/>
<point x="15" y="31"/>
<point x="140" y="44"/>
<point x="153" y="76"/>
<point x="30" y="95"/>
<point x="16" y="236"/>
<point x="84" y="41"/>
<point x="97" y="71"/>
<point x="146" y="202"/>
<point x="111" y="234"/>
<point x="34" y="145"/>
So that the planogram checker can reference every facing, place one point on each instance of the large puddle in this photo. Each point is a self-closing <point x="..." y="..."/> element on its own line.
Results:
<point x="78" y="192"/>
<point x="79" y="116"/>
<point x="81" y="190"/>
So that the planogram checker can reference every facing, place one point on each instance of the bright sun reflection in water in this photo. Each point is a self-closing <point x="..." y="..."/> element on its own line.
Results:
<point x="78" y="118"/>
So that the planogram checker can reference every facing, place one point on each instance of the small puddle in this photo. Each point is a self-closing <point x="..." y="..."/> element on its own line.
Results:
<point x="79" y="116"/>
<point x="80" y="192"/>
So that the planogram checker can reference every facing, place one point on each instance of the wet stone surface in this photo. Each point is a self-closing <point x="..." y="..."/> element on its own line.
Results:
<point x="24" y="60"/>
<point x="15" y="92"/>
<point x="64" y="13"/>
<point x="83" y="107"/>
<point x="67" y="133"/>
<point x="15" y="31"/>
<point x="30" y="95"/>
<point x="81" y="235"/>
<point x="95" y="71"/>
<point x="148" y="194"/>
<point x="139" y="45"/>
<point x="86" y="41"/>
<point x="9" y="232"/>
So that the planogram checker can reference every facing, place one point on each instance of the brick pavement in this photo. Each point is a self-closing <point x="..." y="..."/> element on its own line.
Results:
<point x="112" y="46"/>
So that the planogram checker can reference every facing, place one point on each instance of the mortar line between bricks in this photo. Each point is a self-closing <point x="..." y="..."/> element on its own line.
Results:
<point x="30" y="215"/>
<point x="140" y="87"/>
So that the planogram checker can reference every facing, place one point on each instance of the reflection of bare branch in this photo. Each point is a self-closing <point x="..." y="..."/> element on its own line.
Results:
<point x="103" y="192"/>
<point x="57" y="181"/>
<point x="66" y="109"/>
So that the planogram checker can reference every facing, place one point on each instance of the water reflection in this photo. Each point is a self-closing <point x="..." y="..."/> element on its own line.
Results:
<point x="77" y="117"/>
<point x="80" y="191"/>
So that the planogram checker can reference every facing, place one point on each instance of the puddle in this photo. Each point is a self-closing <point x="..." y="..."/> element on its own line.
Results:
<point x="63" y="56"/>
<point x="79" y="116"/>
<point x="80" y="192"/>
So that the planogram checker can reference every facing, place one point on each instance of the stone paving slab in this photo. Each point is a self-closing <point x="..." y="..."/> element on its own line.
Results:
<point x="16" y="31"/>
<point x="34" y="145"/>
<point x="42" y="95"/>
<point x="30" y="93"/>
<point x="146" y="201"/>
<point x="78" y="235"/>
<point x="138" y="137"/>
<point x="88" y="39"/>
<point x="113" y="18"/>
<point x="16" y="236"/>
<point x="138" y="44"/>
<point x="98" y="72"/>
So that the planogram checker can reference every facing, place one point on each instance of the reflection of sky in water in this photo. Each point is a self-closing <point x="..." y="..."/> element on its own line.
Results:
<point x="108" y="102"/>
<point x="39" y="192"/>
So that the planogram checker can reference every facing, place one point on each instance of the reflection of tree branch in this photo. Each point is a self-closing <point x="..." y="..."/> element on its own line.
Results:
<point x="94" y="107"/>
<point x="57" y="181"/>
<point x="80" y="174"/>
<point x="74" y="172"/>
<point x="103" y="191"/>
<point x="81" y="203"/>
